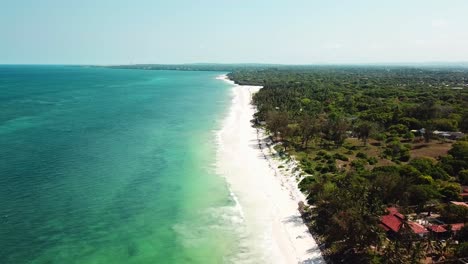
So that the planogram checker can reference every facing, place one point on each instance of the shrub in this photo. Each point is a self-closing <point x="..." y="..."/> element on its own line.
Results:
<point x="405" y="155"/>
<point x="459" y="151"/>
<point x="321" y="153"/>
<point x="332" y="168"/>
<point x="279" y="148"/>
<point x="323" y="169"/>
<point x="309" y="170"/>
<point x="462" y="235"/>
<point x="399" y="129"/>
<point x="397" y="151"/>
<point x="328" y="157"/>
<point x="372" y="160"/>
<point x="379" y="136"/>
<point x="392" y="139"/>
<point x="409" y="135"/>
<point x="423" y="165"/>
<point x="359" y="164"/>
<point x="349" y="147"/>
<point x="340" y="156"/>
<point x="306" y="183"/>
<point x="361" y="155"/>
<point x="462" y="250"/>
<point x="463" y="176"/>
<point x="425" y="179"/>
<point x="306" y="162"/>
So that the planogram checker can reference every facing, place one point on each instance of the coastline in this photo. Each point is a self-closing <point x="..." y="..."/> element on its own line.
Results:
<point x="266" y="195"/>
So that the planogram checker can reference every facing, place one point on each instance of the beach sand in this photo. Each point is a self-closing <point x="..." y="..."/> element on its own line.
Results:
<point x="267" y="196"/>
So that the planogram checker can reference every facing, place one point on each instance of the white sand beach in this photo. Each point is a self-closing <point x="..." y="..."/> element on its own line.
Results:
<point x="267" y="196"/>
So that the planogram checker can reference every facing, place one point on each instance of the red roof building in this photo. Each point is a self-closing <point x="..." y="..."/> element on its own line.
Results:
<point x="459" y="203"/>
<point x="464" y="192"/>
<point x="394" y="220"/>
<point x="457" y="227"/>
<point x="391" y="222"/>
<point x="437" y="229"/>
<point x="417" y="228"/>
<point x="394" y="211"/>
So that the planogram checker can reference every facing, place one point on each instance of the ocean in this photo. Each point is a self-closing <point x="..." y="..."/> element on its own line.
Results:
<point x="104" y="165"/>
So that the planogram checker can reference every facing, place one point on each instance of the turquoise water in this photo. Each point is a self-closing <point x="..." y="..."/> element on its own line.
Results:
<point x="111" y="166"/>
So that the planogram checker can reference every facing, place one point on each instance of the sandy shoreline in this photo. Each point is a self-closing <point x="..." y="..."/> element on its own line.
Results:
<point x="268" y="197"/>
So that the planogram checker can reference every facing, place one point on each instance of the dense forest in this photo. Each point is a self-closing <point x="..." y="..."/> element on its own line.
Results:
<point x="370" y="139"/>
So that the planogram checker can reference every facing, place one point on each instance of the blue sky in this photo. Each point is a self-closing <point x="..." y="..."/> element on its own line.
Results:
<point x="273" y="31"/>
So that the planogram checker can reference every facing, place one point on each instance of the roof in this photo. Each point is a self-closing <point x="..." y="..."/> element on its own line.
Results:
<point x="457" y="227"/>
<point x="417" y="228"/>
<point x="437" y="229"/>
<point x="394" y="220"/>
<point x="391" y="222"/>
<point x="459" y="203"/>
<point x="394" y="211"/>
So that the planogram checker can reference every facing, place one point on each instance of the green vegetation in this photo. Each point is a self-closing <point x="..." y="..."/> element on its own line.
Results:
<point x="365" y="137"/>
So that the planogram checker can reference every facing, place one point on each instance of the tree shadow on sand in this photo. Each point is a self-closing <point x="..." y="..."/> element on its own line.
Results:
<point x="295" y="219"/>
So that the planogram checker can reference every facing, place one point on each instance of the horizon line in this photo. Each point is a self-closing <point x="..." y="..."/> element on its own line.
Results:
<point x="439" y="63"/>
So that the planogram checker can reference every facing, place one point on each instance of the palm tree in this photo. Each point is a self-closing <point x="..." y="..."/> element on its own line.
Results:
<point x="441" y="249"/>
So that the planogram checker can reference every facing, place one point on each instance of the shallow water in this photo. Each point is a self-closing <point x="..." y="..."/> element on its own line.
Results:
<point x="112" y="166"/>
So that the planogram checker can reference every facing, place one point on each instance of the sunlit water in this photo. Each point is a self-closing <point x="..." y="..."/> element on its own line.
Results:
<point x="112" y="166"/>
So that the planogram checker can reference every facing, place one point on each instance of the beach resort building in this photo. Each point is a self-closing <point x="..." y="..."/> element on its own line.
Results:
<point x="394" y="221"/>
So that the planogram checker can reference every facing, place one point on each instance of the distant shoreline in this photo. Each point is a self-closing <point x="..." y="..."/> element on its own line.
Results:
<point x="227" y="67"/>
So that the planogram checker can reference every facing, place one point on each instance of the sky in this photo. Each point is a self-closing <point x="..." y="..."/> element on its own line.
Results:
<point x="108" y="32"/>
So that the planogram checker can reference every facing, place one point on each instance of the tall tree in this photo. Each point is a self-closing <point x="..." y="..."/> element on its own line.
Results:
<point x="309" y="128"/>
<point x="277" y="122"/>
<point x="335" y="129"/>
<point x="364" y="129"/>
